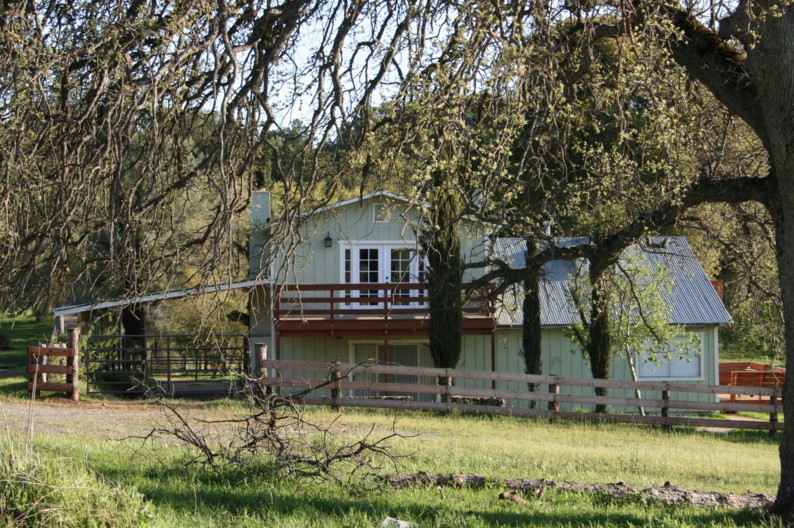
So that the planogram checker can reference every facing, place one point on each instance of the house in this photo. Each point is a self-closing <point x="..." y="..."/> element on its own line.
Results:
<point x="348" y="287"/>
<point x="349" y="290"/>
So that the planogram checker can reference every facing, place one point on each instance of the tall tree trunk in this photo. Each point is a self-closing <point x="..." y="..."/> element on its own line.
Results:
<point x="133" y="320"/>
<point x="771" y="66"/>
<point x="530" y="329"/>
<point x="784" y="503"/>
<point x="444" y="276"/>
<point x="600" y="344"/>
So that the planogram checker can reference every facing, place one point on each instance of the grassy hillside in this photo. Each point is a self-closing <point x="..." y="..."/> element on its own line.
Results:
<point x="24" y="331"/>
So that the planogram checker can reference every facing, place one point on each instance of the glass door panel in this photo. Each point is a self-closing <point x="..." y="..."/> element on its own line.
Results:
<point x="401" y="260"/>
<point x="368" y="266"/>
<point x="386" y="263"/>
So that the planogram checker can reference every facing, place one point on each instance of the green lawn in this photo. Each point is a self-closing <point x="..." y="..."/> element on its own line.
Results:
<point x="24" y="332"/>
<point x="175" y="494"/>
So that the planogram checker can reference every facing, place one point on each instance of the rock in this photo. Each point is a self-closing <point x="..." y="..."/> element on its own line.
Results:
<point x="390" y="522"/>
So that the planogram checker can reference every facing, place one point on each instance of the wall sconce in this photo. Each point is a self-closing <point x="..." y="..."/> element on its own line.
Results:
<point x="329" y="242"/>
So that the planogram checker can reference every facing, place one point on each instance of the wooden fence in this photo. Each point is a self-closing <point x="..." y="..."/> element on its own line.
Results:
<point x="41" y="365"/>
<point x="335" y="378"/>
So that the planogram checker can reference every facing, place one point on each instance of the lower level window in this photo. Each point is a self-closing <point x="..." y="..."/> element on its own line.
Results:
<point x="406" y="355"/>
<point x="681" y="363"/>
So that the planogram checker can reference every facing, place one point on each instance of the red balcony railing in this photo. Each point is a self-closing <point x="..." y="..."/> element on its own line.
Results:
<point x="337" y="308"/>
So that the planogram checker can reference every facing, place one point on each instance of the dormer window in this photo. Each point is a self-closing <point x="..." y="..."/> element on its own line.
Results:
<point x="382" y="213"/>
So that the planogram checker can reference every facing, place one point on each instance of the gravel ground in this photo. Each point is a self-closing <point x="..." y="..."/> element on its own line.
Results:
<point x="114" y="420"/>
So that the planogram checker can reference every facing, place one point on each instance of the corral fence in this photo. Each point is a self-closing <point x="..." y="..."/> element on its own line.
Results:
<point x="173" y="365"/>
<point x="363" y="385"/>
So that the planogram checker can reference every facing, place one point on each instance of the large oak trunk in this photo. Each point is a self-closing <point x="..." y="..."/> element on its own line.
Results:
<point x="784" y="504"/>
<point x="771" y="65"/>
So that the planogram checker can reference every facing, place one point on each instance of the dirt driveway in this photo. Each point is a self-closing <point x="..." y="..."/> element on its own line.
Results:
<point x="113" y="420"/>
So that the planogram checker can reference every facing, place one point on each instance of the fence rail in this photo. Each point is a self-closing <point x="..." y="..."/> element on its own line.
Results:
<point x="41" y="366"/>
<point x="336" y="377"/>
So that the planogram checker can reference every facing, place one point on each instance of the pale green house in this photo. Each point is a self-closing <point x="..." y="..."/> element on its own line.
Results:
<point x="348" y="290"/>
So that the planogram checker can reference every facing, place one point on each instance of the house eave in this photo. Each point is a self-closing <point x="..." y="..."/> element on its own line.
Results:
<point x="157" y="296"/>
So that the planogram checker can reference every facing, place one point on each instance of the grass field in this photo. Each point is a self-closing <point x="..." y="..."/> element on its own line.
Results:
<point x="86" y="480"/>
<point x="24" y="331"/>
<point x="165" y="492"/>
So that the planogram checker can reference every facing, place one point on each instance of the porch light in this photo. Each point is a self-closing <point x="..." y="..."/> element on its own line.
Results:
<point x="329" y="242"/>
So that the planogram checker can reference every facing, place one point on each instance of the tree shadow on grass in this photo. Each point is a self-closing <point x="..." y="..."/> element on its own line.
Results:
<point x="279" y="497"/>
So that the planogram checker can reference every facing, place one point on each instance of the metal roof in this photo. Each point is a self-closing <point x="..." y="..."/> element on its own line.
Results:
<point x="157" y="296"/>
<point x="692" y="297"/>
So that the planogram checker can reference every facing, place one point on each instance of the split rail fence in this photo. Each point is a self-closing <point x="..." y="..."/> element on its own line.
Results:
<point x="338" y="379"/>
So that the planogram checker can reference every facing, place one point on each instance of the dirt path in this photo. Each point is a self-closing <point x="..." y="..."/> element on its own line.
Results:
<point x="97" y="419"/>
<point x="728" y="417"/>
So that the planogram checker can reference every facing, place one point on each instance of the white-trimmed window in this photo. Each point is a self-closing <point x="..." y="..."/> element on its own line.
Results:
<point x="683" y="362"/>
<point x="382" y="262"/>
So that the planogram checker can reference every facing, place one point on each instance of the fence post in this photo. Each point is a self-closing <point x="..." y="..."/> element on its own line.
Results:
<point x="335" y="392"/>
<point x="168" y="370"/>
<point x="773" y="414"/>
<point x="33" y="359"/>
<point x="665" y="409"/>
<point x="446" y="383"/>
<point x="41" y="359"/>
<point x="554" y="405"/>
<point x="73" y="342"/>
<point x="261" y="370"/>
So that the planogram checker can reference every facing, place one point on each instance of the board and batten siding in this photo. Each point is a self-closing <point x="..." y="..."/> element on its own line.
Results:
<point x="561" y="357"/>
<point x="313" y="263"/>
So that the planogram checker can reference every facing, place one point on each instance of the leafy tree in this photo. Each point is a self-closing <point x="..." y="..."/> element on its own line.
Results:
<point x="441" y="241"/>
<point x="636" y="297"/>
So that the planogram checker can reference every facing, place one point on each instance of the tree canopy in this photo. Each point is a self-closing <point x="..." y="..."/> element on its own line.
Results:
<point x="119" y="118"/>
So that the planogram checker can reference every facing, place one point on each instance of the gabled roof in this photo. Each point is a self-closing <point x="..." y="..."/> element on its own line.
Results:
<point x="361" y="199"/>
<point x="156" y="296"/>
<point x="692" y="297"/>
<point x="377" y="194"/>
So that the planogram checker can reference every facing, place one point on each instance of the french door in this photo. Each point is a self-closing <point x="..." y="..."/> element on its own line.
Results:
<point x="378" y="264"/>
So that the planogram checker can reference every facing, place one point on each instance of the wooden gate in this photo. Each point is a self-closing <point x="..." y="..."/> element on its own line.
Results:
<point x="46" y="361"/>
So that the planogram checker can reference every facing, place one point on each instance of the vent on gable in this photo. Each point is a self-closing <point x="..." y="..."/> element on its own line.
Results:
<point x="382" y="212"/>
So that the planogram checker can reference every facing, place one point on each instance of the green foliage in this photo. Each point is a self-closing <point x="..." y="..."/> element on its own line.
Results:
<point x="639" y="312"/>
<point x="43" y="491"/>
<point x="737" y="243"/>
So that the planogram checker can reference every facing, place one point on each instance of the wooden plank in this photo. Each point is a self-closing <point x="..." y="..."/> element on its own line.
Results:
<point x="56" y="387"/>
<point x="542" y="396"/>
<point x="527" y="378"/>
<point x="50" y="351"/>
<point x="49" y="369"/>
<point x="543" y="413"/>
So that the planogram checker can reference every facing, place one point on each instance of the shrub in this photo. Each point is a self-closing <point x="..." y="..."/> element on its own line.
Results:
<point x="5" y="341"/>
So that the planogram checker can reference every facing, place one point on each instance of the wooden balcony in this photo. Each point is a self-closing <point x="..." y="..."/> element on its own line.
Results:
<point x="343" y="310"/>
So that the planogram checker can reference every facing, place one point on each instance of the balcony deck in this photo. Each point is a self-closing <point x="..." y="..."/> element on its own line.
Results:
<point x="349" y="310"/>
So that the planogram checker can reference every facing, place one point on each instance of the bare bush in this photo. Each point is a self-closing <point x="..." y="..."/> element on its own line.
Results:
<point x="275" y="432"/>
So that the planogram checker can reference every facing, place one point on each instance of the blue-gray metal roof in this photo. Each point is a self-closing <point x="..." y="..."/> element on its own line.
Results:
<point x="692" y="297"/>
